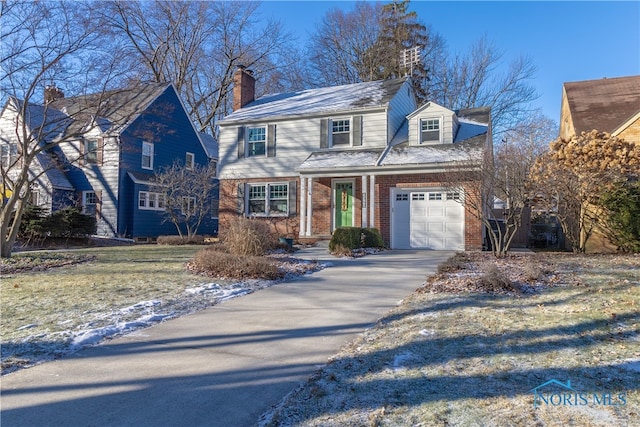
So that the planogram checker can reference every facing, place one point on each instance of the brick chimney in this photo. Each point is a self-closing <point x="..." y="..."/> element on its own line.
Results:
<point x="244" y="87"/>
<point x="51" y="93"/>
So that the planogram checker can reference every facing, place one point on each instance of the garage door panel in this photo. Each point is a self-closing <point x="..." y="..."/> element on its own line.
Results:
<point x="432" y="221"/>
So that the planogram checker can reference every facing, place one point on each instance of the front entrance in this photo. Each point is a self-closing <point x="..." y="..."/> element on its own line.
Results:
<point x="342" y="204"/>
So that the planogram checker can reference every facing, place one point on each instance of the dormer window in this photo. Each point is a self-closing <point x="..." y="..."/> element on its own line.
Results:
<point x="429" y="131"/>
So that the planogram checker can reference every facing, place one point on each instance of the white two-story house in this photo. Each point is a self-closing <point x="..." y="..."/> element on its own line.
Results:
<point x="359" y="155"/>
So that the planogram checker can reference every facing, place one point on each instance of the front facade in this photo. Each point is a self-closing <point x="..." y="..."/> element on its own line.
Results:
<point x="108" y="166"/>
<point x="355" y="155"/>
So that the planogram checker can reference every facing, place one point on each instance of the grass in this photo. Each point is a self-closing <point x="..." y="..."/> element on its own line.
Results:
<point x="472" y="358"/>
<point x="110" y="278"/>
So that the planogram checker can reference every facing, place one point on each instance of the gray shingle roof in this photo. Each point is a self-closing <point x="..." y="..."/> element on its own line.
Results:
<point x="325" y="100"/>
<point x="112" y="109"/>
<point x="603" y="104"/>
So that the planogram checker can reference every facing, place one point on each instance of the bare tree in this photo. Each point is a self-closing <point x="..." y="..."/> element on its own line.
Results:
<point x="342" y="50"/>
<point x="473" y="80"/>
<point x="42" y="43"/>
<point x="187" y="195"/>
<point x="197" y="46"/>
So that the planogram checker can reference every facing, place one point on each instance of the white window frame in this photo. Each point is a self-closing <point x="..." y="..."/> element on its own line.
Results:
<point x="89" y="198"/>
<point x="268" y="199"/>
<point x="429" y="121"/>
<point x="332" y="132"/>
<point x="149" y="155"/>
<point x="189" y="160"/>
<point x="189" y="203"/>
<point x="148" y="200"/>
<point x="252" y="143"/>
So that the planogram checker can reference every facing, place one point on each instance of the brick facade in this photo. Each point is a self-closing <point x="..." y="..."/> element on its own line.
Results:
<point x="322" y="213"/>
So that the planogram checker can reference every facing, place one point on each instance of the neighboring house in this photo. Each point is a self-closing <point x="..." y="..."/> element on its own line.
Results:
<point x="111" y="145"/>
<point x="608" y="105"/>
<point x="355" y="155"/>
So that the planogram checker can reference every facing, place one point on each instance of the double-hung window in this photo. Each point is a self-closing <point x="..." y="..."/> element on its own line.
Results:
<point x="256" y="141"/>
<point x="341" y="132"/>
<point x="188" y="205"/>
<point x="91" y="151"/>
<point x="89" y="202"/>
<point x="147" y="155"/>
<point x="429" y="130"/>
<point x="9" y="154"/>
<point x="189" y="161"/>
<point x="268" y="199"/>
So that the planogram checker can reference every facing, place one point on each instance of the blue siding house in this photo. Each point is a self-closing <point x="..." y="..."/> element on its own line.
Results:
<point x="126" y="136"/>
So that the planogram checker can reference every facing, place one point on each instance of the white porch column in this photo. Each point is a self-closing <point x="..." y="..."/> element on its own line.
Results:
<point x="372" y="200"/>
<point x="309" y="205"/>
<point x="365" y="196"/>
<point x="303" y="206"/>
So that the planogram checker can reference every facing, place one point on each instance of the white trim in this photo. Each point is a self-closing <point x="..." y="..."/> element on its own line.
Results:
<point x="151" y="155"/>
<point x="309" y="204"/>
<point x="624" y="125"/>
<point x="365" y="220"/>
<point x="267" y="199"/>
<point x="303" y="206"/>
<point x="330" y="131"/>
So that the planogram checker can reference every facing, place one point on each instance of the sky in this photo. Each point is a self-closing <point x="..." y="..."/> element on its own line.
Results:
<point x="568" y="41"/>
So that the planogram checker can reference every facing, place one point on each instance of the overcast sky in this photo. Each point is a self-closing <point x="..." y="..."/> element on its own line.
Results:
<point x="568" y="41"/>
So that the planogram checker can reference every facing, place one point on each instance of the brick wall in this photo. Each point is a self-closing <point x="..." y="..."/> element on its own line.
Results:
<point x="321" y="222"/>
<point x="229" y="208"/>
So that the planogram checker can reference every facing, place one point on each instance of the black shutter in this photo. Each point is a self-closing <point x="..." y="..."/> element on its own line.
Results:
<point x="241" y="142"/>
<point x="357" y="131"/>
<point x="271" y="141"/>
<point x="241" y="200"/>
<point x="324" y="133"/>
<point x="292" y="198"/>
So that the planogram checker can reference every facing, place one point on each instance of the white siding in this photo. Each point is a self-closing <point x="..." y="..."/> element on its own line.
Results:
<point x="296" y="139"/>
<point x="400" y="106"/>
<point x="448" y="123"/>
<point x="104" y="178"/>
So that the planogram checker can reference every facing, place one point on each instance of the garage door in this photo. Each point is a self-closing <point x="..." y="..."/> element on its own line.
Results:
<point x="427" y="219"/>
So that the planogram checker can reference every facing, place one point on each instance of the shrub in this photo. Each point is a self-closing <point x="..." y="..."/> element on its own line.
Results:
<point x="372" y="238"/>
<point x="180" y="240"/>
<point x="493" y="280"/>
<point x="247" y="236"/>
<point x="347" y="237"/>
<point x="216" y="263"/>
<point x="68" y="222"/>
<point x="355" y="238"/>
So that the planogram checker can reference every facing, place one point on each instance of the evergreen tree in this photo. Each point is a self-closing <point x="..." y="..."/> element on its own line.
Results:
<point x="400" y="46"/>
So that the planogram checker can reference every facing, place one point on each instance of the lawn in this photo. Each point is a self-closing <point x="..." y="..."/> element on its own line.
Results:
<point x="53" y="303"/>
<point x="447" y="356"/>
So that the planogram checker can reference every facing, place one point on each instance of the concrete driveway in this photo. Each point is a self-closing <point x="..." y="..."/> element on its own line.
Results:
<point x="224" y="366"/>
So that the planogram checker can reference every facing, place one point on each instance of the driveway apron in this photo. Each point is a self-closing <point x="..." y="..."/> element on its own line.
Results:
<point x="223" y="366"/>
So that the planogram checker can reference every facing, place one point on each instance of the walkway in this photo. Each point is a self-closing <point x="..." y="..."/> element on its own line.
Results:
<point x="224" y="366"/>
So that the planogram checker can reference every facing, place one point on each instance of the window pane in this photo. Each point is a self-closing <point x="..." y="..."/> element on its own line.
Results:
<point x="340" y="132"/>
<point x="257" y="148"/>
<point x="257" y="134"/>
<point x="91" y="151"/>
<point x="142" y="199"/>
<point x="278" y="191"/>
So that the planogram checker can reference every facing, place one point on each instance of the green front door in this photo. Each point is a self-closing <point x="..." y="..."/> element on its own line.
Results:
<point x="343" y="195"/>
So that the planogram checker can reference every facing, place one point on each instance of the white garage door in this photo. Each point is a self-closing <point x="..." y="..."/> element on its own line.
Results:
<point x="427" y="219"/>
